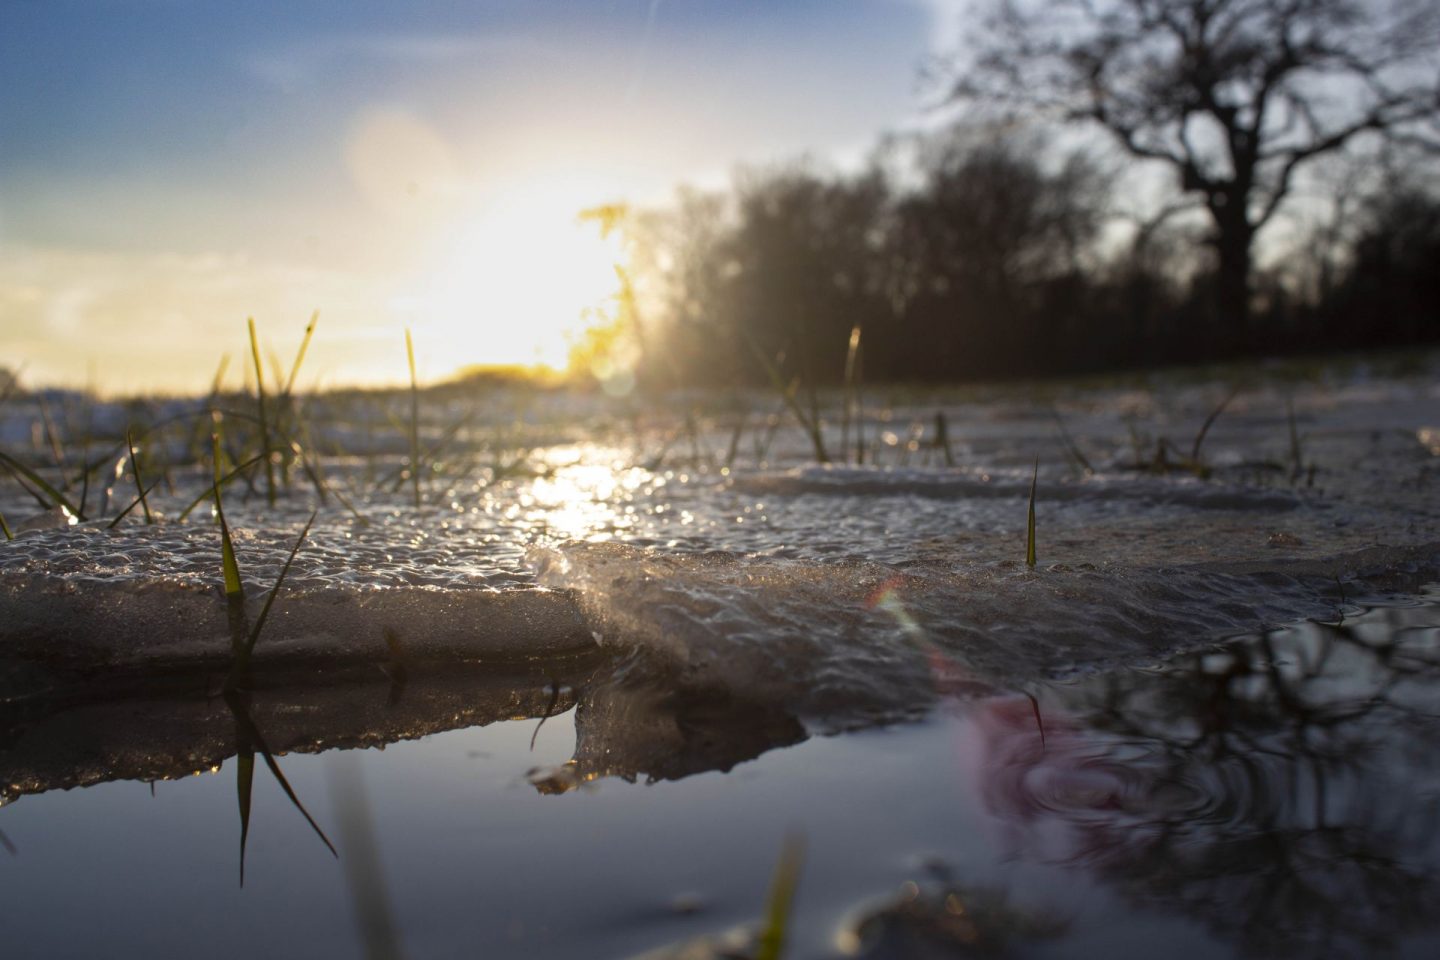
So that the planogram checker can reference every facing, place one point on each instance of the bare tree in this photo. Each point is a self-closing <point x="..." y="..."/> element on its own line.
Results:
<point x="1234" y="96"/>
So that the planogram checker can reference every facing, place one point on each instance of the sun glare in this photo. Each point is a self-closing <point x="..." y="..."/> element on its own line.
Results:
<point x="517" y="287"/>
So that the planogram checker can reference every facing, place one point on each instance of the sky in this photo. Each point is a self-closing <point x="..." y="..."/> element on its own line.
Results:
<point x="170" y="167"/>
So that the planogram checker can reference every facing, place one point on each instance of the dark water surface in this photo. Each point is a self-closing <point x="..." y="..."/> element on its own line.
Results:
<point x="1278" y="795"/>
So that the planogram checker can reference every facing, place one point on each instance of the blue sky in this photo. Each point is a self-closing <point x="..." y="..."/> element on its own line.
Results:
<point x="169" y="166"/>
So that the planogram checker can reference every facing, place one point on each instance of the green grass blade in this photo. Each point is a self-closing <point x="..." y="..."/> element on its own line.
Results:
<point x="778" y="906"/>
<point x="234" y="588"/>
<point x="264" y="420"/>
<point x="244" y="789"/>
<point x="1030" y="519"/>
<point x="250" y="739"/>
<point x="284" y="571"/>
<point x="221" y="483"/>
<point x="6" y="528"/>
<point x="133" y="504"/>
<point x="290" y="792"/>
<point x="139" y="486"/>
<point x="414" y="419"/>
<point x="57" y="498"/>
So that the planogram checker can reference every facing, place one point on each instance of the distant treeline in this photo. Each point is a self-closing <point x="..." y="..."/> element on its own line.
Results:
<point x="968" y="254"/>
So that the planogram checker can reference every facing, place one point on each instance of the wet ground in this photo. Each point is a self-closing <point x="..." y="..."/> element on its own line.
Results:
<point x="575" y="702"/>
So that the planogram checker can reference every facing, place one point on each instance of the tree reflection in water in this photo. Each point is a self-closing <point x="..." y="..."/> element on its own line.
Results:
<point x="1281" y="790"/>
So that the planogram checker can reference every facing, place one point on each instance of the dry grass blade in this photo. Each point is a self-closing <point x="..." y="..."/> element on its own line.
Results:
<point x="1030" y="519"/>
<point x="300" y="355"/>
<point x="140" y="488"/>
<point x="414" y="419"/>
<point x="788" y="393"/>
<point x="549" y="709"/>
<point x="1071" y="449"/>
<point x="1205" y="427"/>
<point x="847" y="403"/>
<point x="778" y="906"/>
<point x="264" y="421"/>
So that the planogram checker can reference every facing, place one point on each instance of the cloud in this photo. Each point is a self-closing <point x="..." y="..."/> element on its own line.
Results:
<point x="299" y="62"/>
<point x="161" y="322"/>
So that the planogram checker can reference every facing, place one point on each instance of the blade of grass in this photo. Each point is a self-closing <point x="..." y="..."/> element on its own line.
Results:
<point x="778" y="906"/>
<point x="139" y="487"/>
<point x="133" y="504"/>
<point x="264" y="421"/>
<point x="1030" y="519"/>
<point x="234" y="587"/>
<point x="414" y="419"/>
<point x="57" y="499"/>
<point x="1039" y="721"/>
<point x="300" y="355"/>
<point x="847" y="402"/>
<point x="788" y="393"/>
<point x="52" y="438"/>
<point x="248" y="741"/>
<point x="289" y="791"/>
<point x="1070" y="448"/>
<point x="1205" y="427"/>
<point x="735" y="439"/>
<point x="549" y="709"/>
<point x="244" y="788"/>
<point x="6" y="528"/>
<point x="221" y="483"/>
<point x="1297" y="455"/>
<point x="942" y="438"/>
<point x="284" y="571"/>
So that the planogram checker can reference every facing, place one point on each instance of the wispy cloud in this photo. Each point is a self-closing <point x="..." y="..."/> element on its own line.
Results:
<point x="300" y="61"/>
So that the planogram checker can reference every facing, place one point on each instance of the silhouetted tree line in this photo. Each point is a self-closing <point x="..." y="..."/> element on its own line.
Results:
<point x="973" y="254"/>
<point x="980" y="251"/>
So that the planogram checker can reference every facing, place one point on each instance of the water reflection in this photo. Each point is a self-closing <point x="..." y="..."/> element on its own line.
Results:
<point x="248" y="740"/>
<point x="1281" y="791"/>
<point x="174" y="728"/>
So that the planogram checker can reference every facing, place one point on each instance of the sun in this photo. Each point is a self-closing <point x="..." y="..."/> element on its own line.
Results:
<point x="518" y="285"/>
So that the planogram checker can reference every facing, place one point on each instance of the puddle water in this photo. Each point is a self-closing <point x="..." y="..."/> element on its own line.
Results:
<point x="1275" y="795"/>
